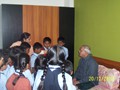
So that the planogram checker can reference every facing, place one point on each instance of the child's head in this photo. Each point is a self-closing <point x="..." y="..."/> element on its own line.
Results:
<point x="3" y="60"/>
<point x="37" y="47"/>
<point x="68" y="67"/>
<point x="40" y="63"/>
<point x="14" y="55"/>
<point x="9" y="60"/>
<point x="24" y="61"/>
<point x="47" y="42"/>
<point x="61" y="41"/>
<point x="56" y="55"/>
<point x="25" y="47"/>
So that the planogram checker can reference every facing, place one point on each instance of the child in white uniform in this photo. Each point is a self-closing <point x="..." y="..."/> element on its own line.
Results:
<point x="3" y="66"/>
<point x="22" y="77"/>
<point x="37" y="47"/>
<point x="69" y="72"/>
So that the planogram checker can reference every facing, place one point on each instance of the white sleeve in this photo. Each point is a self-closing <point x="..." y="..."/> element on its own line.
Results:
<point x="32" y="61"/>
<point x="68" y="82"/>
<point x="37" y="80"/>
<point x="3" y="81"/>
<point x="66" y="53"/>
<point x="11" y="71"/>
<point x="28" y="75"/>
<point x="36" y="83"/>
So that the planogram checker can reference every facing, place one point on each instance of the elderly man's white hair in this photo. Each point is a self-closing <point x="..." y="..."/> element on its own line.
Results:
<point x="86" y="48"/>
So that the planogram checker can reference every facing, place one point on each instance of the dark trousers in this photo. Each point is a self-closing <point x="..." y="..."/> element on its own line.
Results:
<point x="85" y="86"/>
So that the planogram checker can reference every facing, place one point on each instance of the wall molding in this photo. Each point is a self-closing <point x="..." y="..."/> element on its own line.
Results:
<point x="62" y="3"/>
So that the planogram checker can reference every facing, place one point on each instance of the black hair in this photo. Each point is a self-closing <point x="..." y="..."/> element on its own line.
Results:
<point x="24" y="46"/>
<point x="68" y="66"/>
<point x="14" y="55"/>
<point x="5" y="55"/>
<point x="40" y="62"/>
<point x="24" y="35"/>
<point x="46" y="39"/>
<point x="61" y="39"/>
<point x="23" y="61"/>
<point x="37" y="45"/>
<point x="55" y="56"/>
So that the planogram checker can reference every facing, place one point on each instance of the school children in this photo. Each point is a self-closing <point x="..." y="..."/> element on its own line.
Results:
<point x="46" y="43"/>
<point x="48" y="79"/>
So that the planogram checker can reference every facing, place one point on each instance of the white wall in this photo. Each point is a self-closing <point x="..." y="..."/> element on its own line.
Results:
<point x="69" y="3"/>
<point x="62" y="3"/>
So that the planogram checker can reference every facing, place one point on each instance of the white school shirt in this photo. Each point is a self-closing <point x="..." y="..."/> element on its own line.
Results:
<point x="6" y="70"/>
<point x="32" y="59"/>
<point x="60" y="79"/>
<point x="40" y="73"/>
<point x="37" y="79"/>
<point x="68" y="82"/>
<point x="3" y="80"/>
<point x="27" y="74"/>
<point x="66" y="52"/>
<point x="46" y="48"/>
<point x="9" y="71"/>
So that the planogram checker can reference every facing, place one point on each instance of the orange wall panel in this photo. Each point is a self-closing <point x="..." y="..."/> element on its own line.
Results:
<point x="41" y="21"/>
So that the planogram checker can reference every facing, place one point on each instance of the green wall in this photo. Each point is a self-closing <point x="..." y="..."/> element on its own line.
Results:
<point x="97" y="24"/>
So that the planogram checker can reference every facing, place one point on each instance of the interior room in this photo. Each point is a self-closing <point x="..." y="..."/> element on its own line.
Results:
<point x="81" y="22"/>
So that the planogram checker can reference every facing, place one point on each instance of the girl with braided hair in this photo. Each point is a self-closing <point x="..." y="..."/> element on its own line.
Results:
<point x="39" y="65"/>
<point x="48" y="79"/>
<point x="68" y="75"/>
<point x="18" y="80"/>
<point x="14" y="55"/>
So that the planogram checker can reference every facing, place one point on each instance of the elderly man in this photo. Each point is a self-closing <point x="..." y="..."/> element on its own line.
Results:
<point x="86" y="74"/>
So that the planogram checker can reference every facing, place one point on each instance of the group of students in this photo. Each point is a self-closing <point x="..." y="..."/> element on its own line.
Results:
<point x="37" y="67"/>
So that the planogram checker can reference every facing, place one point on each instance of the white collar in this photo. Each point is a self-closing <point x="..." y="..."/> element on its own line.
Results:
<point x="35" y="54"/>
<point x="53" y="67"/>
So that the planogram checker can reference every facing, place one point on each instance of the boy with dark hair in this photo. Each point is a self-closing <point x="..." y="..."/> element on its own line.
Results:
<point x="37" y="47"/>
<point x="25" y="47"/>
<point x="46" y="43"/>
<point x="9" y="63"/>
<point x="61" y="42"/>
